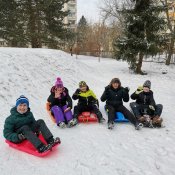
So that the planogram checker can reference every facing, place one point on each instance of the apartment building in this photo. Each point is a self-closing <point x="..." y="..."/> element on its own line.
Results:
<point x="71" y="19"/>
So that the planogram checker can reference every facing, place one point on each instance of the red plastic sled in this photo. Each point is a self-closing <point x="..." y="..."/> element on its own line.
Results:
<point x="49" y="112"/>
<point x="27" y="147"/>
<point x="87" y="117"/>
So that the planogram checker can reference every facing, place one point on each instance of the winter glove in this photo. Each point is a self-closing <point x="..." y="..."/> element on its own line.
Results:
<point x="127" y="89"/>
<point x="139" y="90"/>
<point x="107" y="88"/>
<point x="77" y="92"/>
<point x="21" y="137"/>
<point x="152" y="107"/>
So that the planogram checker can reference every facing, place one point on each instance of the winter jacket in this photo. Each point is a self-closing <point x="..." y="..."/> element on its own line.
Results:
<point x="63" y="100"/>
<point x="16" y="121"/>
<point x="115" y="97"/>
<point x="85" y="98"/>
<point x="144" y="98"/>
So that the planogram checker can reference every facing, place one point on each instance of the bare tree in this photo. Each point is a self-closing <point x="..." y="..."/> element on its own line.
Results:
<point x="170" y="18"/>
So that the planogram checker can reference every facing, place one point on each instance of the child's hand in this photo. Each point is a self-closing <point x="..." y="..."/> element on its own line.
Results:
<point x="67" y="109"/>
<point x="77" y="92"/>
<point x="57" y="94"/>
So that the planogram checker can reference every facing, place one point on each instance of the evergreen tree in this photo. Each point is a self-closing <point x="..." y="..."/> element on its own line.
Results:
<point x="35" y="21"/>
<point x="142" y="33"/>
<point x="11" y="23"/>
<point x="82" y="33"/>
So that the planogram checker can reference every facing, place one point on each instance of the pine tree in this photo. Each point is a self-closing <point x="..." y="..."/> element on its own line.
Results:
<point x="82" y="33"/>
<point x="142" y="33"/>
<point x="35" y="21"/>
<point x="11" y="23"/>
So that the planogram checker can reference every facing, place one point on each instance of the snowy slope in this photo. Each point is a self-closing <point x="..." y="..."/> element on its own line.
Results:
<point x="86" y="149"/>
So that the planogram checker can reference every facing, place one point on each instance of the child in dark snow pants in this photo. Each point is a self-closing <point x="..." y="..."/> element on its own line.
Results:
<point x="113" y="95"/>
<point x="21" y="125"/>
<point x="61" y="105"/>
<point x="145" y="106"/>
<point x="87" y="101"/>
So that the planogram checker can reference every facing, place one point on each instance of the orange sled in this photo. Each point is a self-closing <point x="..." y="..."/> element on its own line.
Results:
<point x="49" y="112"/>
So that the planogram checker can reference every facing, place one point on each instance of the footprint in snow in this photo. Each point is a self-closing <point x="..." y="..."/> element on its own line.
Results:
<point x="161" y="151"/>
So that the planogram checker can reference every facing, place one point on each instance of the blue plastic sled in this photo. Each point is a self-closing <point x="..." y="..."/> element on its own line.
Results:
<point x="120" y="117"/>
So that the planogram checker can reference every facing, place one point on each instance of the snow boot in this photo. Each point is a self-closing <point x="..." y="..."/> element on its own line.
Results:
<point x="72" y="123"/>
<point x="110" y="125"/>
<point x="62" y="125"/>
<point x="138" y="126"/>
<point x="141" y="119"/>
<point x="157" y="121"/>
<point x="44" y="148"/>
<point x="54" y="141"/>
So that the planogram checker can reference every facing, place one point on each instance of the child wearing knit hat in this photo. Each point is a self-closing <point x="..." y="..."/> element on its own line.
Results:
<point x="61" y="105"/>
<point x="144" y="108"/>
<point x="21" y="125"/>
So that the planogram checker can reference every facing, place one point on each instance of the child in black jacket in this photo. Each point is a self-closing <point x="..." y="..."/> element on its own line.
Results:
<point x="145" y="105"/>
<point x="114" y="95"/>
<point x="61" y="105"/>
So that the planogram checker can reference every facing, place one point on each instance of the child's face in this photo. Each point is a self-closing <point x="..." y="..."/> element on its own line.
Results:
<point x="115" y="85"/>
<point x="83" y="88"/>
<point x="146" y="89"/>
<point x="22" y="108"/>
<point x="59" y="89"/>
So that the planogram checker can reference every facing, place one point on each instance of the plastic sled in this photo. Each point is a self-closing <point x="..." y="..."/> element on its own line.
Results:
<point x="87" y="117"/>
<point x="27" y="147"/>
<point x="49" y="112"/>
<point x="120" y="117"/>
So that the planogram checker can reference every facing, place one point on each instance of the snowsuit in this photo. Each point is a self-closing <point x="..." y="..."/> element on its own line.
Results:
<point x="25" y="124"/>
<point x="114" y="103"/>
<point x="87" y="101"/>
<point x="143" y="101"/>
<point x="58" y="105"/>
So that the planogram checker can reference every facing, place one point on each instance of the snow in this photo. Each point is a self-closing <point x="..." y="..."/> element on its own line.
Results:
<point x="87" y="149"/>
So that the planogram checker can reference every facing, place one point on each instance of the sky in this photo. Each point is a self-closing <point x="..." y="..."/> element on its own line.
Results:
<point x="88" y="8"/>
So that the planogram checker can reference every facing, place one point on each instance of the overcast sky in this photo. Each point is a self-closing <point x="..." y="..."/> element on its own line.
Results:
<point x="88" y="8"/>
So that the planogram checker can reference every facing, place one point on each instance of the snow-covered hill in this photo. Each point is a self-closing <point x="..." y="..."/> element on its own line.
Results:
<point x="86" y="149"/>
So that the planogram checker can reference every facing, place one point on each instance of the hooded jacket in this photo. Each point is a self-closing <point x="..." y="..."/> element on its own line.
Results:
<point x="16" y="121"/>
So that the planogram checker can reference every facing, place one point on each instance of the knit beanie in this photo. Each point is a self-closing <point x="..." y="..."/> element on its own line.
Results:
<point x="21" y="100"/>
<point x="59" y="83"/>
<point x="147" y="83"/>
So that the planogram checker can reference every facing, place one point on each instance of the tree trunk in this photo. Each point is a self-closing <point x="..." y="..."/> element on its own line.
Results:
<point x="14" y="43"/>
<point x="38" y="19"/>
<point x="170" y="52"/>
<point x="35" y="43"/>
<point x="139" y="64"/>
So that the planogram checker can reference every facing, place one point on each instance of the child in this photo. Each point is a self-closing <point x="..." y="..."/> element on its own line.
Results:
<point x="87" y="101"/>
<point x="61" y="105"/>
<point x="145" y="105"/>
<point x="21" y="125"/>
<point x="113" y="95"/>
